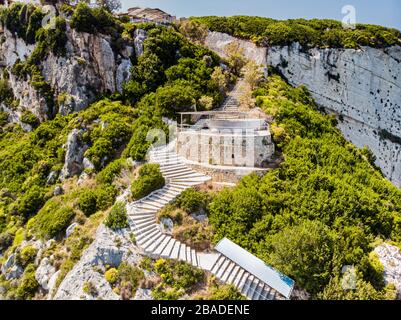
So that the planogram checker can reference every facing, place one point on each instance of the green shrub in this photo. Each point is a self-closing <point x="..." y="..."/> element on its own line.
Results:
<point x="131" y="274"/>
<point x="90" y="201"/>
<point x="111" y="171"/>
<point x="149" y="180"/>
<point x="192" y="201"/>
<point x="27" y="255"/>
<point x="23" y="20"/>
<point x="375" y="271"/>
<point x="6" y="93"/>
<point x="117" y="218"/>
<point x="160" y="292"/>
<point x="28" y="285"/>
<point x="225" y="292"/>
<point x="85" y="19"/>
<point x="31" y="202"/>
<point x="51" y="220"/>
<point x="178" y="274"/>
<point x="111" y="275"/>
<point x="6" y="239"/>
<point x="90" y="289"/>
<point x="87" y="202"/>
<point x="309" y="33"/>
<point x="101" y="150"/>
<point x="105" y="196"/>
<point x="29" y="118"/>
<point x="3" y="118"/>
<point x="178" y="96"/>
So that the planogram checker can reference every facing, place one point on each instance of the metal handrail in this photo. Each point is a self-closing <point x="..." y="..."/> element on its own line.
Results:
<point x="187" y="127"/>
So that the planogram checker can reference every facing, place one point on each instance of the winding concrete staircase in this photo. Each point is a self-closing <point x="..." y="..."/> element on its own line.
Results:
<point x="142" y="214"/>
<point x="156" y="244"/>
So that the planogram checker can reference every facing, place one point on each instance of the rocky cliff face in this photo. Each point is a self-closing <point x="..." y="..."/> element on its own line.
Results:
<point x="217" y="41"/>
<point x="89" y="69"/>
<point x="362" y="87"/>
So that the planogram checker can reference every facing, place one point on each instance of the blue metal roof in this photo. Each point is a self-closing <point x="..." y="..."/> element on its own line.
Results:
<point x="274" y="279"/>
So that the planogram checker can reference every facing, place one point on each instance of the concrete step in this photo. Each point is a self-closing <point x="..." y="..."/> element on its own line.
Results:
<point x="188" y="255"/>
<point x="141" y="216"/>
<point x="156" y="238"/>
<point x="236" y="282"/>
<point x="233" y="274"/>
<point x="137" y="210"/>
<point x="268" y="293"/>
<point x="223" y="268"/>
<point x="149" y="205"/>
<point x="175" y="168"/>
<point x="152" y="247"/>
<point x="194" y="258"/>
<point x="172" y="159"/>
<point x="183" y="253"/>
<point x="252" y="288"/>
<point x="160" y="248"/>
<point x="228" y="271"/>
<point x="144" y="239"/>
<point x="143" y="224"/>
<point x="165" y="193"/>
<point x="143" y="234"/>
<point x="247" y="284"/>
<point x="217" y="264"/>
<point x="258" y="291"/>
<point x="170" y="168"/>
<point x="142" y="230"/>
<point x="185" y="175"/>
<point x="243" y="281"/>
<point x="176" y="250"/>
<point x="159" y="200"/>
<point x="170" y="194"/>
<point x="169" y="247"/>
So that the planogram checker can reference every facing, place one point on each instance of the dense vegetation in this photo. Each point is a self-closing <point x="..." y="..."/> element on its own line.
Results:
<point x="117" y="218"/>
<point x="125" y="280"/>
<point x="310" y="33"/>
<point x="172" y="75"/>
<point x="188" y="213"/>
<point x="150" y="179"/>
<point x="321" y="210"/>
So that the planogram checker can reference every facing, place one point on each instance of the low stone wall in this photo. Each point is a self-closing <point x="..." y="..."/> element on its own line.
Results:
<point x="223" y="175"/>
<point x="226" y="149"/>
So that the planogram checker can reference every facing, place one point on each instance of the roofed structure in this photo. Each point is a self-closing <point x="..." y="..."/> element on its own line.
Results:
<point x="137" y="14"/>
<point x="254" y="278"/>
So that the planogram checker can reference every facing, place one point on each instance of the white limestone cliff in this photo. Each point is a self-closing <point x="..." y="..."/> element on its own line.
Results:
<point x="217" y="41"/>
<point x="90" y="68"/>
<point x="362" y="87"/>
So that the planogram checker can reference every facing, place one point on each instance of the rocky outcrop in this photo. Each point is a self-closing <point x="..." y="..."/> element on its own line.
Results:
<point x="362" y="87"/>
<point x="75" y="149"/>
<point x="139" y="39"/>
<point x="108" y="249"/>
<point x="217" y="41"/>
<point x="44" y="273"/>
<point x="91" y="67"/>
<point x="390" y="257"/>
<point x="12" y="49"/>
